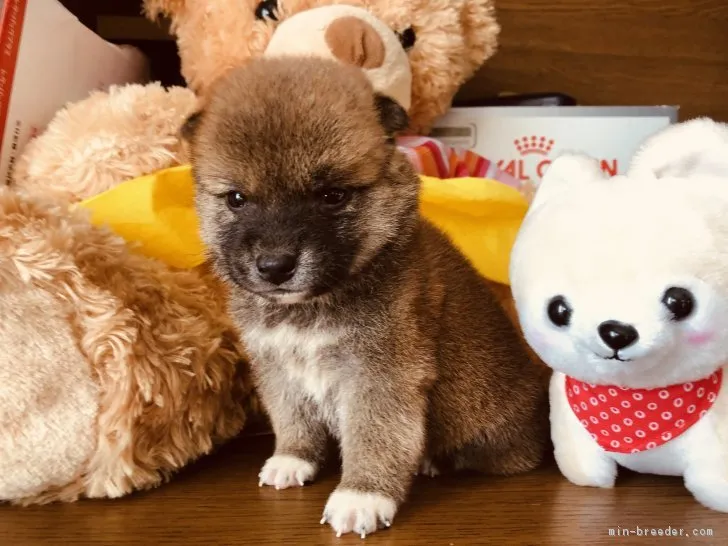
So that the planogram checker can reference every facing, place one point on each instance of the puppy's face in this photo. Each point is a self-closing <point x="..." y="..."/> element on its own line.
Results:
<point x="298" y="181"/>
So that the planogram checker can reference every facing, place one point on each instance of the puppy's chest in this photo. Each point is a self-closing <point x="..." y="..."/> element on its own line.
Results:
<point x="312" y="358"/>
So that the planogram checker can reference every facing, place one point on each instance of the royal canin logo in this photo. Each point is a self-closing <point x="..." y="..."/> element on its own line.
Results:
<point x="534" y="145"/>
<point x="534" y="158"/>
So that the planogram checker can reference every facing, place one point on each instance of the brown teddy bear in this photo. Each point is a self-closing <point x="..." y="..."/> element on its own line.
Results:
<point x="131" y="368"/>
<point x="446" y="40"/>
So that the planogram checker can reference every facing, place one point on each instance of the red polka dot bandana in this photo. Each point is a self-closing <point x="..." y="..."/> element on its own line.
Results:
<point x="623" y="420"/>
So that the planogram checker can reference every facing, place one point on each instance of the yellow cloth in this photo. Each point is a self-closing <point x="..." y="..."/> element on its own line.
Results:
<point x="481" y="216"/>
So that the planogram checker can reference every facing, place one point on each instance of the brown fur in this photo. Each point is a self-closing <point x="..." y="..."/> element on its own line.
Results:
<point x="156" y="341"/>
<point x="405" y="356"/>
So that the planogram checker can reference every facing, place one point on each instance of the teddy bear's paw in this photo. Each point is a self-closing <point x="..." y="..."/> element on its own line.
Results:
<point x="350" y="511"/>
<point x="49" y="398"/>
<point x="428" y="468"/>
<point x="283" y="471"/>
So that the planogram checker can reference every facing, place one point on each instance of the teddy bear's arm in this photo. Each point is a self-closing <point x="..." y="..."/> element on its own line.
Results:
<point x="110" y="137"/>
<point x="578" y="456"/>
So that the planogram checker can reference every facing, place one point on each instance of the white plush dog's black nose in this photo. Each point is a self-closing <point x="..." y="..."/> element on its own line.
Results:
<point x="617" y="335"/>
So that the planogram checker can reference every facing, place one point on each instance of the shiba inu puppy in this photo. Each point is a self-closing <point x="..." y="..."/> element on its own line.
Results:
<point x="362" y="321"/>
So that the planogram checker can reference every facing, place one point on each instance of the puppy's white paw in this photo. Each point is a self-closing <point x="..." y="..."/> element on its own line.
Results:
<point x="362" y="513"/>
<point x="282" y="471"/>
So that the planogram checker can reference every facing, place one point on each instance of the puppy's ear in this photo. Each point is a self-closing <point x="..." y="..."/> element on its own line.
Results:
<point x="189" y="127"/>
<point x="392" y="116"/>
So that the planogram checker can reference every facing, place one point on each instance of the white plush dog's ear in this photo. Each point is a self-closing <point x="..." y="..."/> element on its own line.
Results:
<point x="567" y="171"/>
<point x="695" y="147"/>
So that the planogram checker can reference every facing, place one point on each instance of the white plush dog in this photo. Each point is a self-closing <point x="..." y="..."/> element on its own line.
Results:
<point x="621" y="286"/>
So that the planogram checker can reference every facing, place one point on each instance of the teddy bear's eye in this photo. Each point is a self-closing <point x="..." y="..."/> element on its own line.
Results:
<point x="559" y="311"/>
<point x="267" y="10"/>
<point x="679" y="301"/>
<point x="407" y="38"/>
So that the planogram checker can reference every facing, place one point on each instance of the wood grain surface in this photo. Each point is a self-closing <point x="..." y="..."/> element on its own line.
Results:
<point x="622" y="52"/>
<point x="218" y="502"/>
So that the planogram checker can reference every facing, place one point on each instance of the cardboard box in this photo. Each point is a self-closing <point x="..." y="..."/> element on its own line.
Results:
<point x="48" y="58"/>
<point x="524" y="140"/>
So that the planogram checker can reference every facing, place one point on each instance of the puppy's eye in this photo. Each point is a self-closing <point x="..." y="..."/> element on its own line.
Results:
<point x="334" y="197"/>
<point x="235" y="199"/>
<point x="267" y="10"/>
<point x="559" y="311"/>
<point x="407" y="38"/>
<point x="679" y="301"/>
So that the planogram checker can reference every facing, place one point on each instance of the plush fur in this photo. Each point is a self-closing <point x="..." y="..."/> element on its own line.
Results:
<point x="612" y="249"/>
<point x="93" y="145"/>
<point x="115" y="370"/>
<point x="453" y="38"/>
<point x="379" y="332"/>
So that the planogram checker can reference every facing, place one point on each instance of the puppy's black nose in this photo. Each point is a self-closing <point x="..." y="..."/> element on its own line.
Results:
<point x="617" y="335"/>
<point x="276" y="268"/>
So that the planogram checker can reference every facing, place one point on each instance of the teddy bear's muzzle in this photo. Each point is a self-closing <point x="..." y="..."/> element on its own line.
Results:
<point x="350" y="35"/>
<point x="355" y="41"/>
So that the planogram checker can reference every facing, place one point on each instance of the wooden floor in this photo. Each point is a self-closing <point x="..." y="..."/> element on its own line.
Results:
<point x="218" y="502"/>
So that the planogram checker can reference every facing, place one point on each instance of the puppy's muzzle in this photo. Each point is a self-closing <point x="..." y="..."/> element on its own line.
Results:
<point x="276" y="268"/>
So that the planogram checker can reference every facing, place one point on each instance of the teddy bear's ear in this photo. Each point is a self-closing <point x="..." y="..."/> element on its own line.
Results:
<point x="567" y="171"/>
<point x="392" y="115"/>
<point x="166" y="8"/>
<point x="695" y="147"/>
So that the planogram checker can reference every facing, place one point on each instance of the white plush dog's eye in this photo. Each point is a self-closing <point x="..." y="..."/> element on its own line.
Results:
<point x="679" y="301"/>
<point x="559" y="311"/>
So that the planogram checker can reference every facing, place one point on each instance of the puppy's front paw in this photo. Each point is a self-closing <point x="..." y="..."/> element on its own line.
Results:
<point x="362" y="513"/>
<point x="282" y="471"/>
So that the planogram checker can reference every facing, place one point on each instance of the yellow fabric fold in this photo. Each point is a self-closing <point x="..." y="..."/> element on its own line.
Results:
<point x="481" y="217"/>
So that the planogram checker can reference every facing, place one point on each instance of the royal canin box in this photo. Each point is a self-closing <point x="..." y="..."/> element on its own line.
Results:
<point x="523" y="140"/>
<point x="48" y="58"/>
